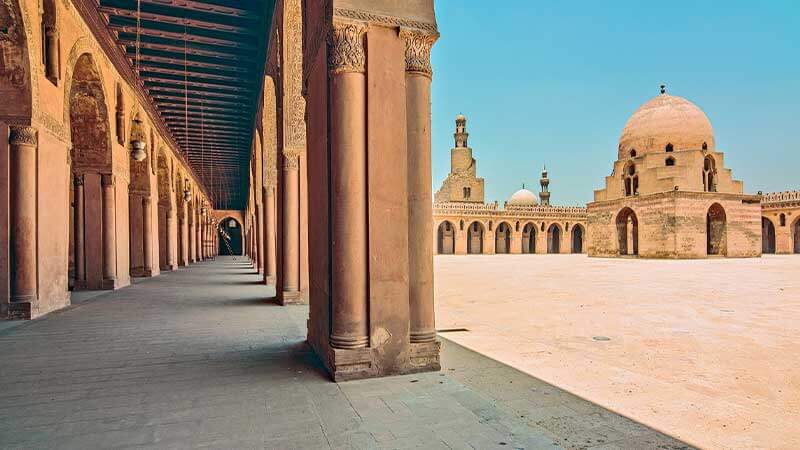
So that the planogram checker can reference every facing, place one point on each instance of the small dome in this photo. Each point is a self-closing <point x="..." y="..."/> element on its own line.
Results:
<point x="522" y="197"/>
<point x="460" y="118"/>
<point x="666" y="120"/>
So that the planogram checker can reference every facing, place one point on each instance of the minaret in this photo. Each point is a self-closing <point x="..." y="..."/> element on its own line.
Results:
<point x="461" y="134"/>
<point x="544" y="196"/>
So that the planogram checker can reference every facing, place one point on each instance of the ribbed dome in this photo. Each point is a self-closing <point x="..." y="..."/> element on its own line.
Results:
<point x="666" y="119"/>
<point x="522" y="197"/>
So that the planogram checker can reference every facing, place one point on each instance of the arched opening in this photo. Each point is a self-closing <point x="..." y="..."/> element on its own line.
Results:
<point x="15" y="84"/>
<point x="51" y="57"/>
<point x="709" y="174"/>
<point x="529" y="238"/>
<point x="93" y="185"/>
<point x="628" y="232"/>
<point x="475" y="238"/>
<point x="796" y="235"/>
<point x="577" y="238"/>
<point x="445" y="238"/>
<point x="502" y="238"/>
<point x="554" y="239"/>
<point x="705" y="146"/>
<point x="669" y="161"/>
<point x="230" y="237"/>
<point x="165" y="260"/>
<point x="138" y="194"/>
<point x="633" y="153"/>
<point x="782" y="219"/>
<point x="767" y="236"/>
<point x="716" y="239"/>
<point x="669" y="148"/>
<point x="630" y="180"/>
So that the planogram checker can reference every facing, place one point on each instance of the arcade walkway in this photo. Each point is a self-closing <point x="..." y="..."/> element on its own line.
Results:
<point x="196" y="358"/>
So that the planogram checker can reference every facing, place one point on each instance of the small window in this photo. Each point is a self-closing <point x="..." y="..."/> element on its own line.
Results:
<point x="633" y="153"/>
<point x="490" y="225"/>
<point x="467" y="193"/>
<point x="566" y="226"/>
<point x="447" y="226"/>
<point x="461" y="225"/>
<point x="670" y="161"/>
<point x="542" y="226"/>
<point x="705" y="146"/>
<point x="517" y="226"/>
<point x="783" y="220"/>
<point x="669" y="147"/>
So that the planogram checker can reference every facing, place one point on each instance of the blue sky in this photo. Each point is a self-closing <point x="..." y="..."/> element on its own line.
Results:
<point x="547" y="82"/>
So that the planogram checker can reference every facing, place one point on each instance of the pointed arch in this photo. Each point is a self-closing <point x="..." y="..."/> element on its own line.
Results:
<point x="529" y="238"/>
<point x="445" y="238"/>
<point x="16" y="86"/>
<point x="716" y="230"/>
<point x="554" y="234"/>
<point x="502" y="238"/>
<point x="475" y="232"/>
<point x="627" y="232"/>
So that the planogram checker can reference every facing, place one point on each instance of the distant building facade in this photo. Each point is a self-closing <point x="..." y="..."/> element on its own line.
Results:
<point x="780" y="222"/>
<point x="465" y="224"/>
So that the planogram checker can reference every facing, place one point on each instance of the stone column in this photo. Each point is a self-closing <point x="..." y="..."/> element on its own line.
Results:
<point x="269" y="236"/>
<point x="190" y="237"/>
<point x="291" y="228"/>
<point x="260" y="238"/>
<point x="420" y="197"/>
<point x="23" y="141"/>
<point x="350" y="320"/>
<point x="183" y="223"/>
<point x="80" y="266"/>
<point x="51" y="47"/>
<point x="147" y="235"/>
<point x="170" y="226"/>
<point x="109" y="231"/>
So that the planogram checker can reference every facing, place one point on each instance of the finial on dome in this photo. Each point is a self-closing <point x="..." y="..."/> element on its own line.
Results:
<point x="523" y="185"/>
<point x="663" y="88"/>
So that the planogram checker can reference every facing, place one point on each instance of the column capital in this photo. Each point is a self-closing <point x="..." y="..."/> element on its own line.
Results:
<point x="22" y="135"/>
<point x="108" y="179"/>
<point x="291" y="161"/>
<point x="78" y="180"/>
<point x="346" y="47"/>
<point x="418" y="50"/>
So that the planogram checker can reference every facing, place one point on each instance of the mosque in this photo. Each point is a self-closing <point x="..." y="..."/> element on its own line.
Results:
<point x="669" y="195"/>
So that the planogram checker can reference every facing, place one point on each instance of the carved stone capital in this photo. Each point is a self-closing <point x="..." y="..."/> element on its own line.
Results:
<point x="78" y="180"/>
<point x="346" y="47"/>
<point x="291" y="161"/>
<point x="22" y="135"/>
<point x="418" y="50"/>
<point x="108" y="179"/>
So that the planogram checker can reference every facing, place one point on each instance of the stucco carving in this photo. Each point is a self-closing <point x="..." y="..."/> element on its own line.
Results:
<point x="291" y="161"/>
<point x="382" y="19"/>
<point x="270" y="124"/>
<point x="294" y="103"/>
<point x="346" y="47"/>
<point x="418" y="51"/>
<point x="22" y="135"/>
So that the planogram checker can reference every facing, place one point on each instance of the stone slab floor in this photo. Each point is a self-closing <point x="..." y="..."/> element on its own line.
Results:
<point x="197" y="359"/>
<point x="705" y="351"/>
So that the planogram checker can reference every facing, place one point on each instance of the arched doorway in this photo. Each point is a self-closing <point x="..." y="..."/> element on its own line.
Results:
<point x="628" y="232"/>
<point x="92" y="206"/>
<point x="165" y="260"/>
<point x="445" y="238"/>
<point x="502" y="238"/>
<point x="138" y="194"/>
<point x="796" y="235"/>
<point x="716" y="239"/>
<point x="529" y="238"/>
<point x="577" y="238"/>
<point x="554" y="239"/>
<point x="230" y="237"/>
<point x="767" y="236"/>
<point x="475" y="238"/>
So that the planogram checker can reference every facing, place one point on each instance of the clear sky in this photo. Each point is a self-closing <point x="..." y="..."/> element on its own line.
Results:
<point x="553" y="82"/>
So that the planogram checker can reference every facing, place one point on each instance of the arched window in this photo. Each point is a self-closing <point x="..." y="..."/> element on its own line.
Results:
<point x="51" y="57"/>
<point x="490" y="225"/>
<point x="705" y="146"/>
<point x="516" y="227"/>
<point x="709" y="174"/>
<point x="669" y="148"/>
<point x="633" y="153"/>
<point x="783" y="219"/>
<point x="461" y="225"/>
<point x="670" y="161"/>
<point x="467" y="193"/>
<point x="630" y="180"/>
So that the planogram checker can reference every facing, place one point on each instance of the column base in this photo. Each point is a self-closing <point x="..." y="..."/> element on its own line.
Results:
<point x="141" y="272"/>
<point x="269" y="279"/>
<point x="421" y="337"/>
<point x="360" y="363"/>
<point x="291" y="298"/>
<point x="16" y="311"/>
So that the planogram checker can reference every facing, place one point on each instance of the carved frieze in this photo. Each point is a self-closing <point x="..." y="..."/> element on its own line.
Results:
<point x="346" y="47"/>
<point x="366" y="16"/>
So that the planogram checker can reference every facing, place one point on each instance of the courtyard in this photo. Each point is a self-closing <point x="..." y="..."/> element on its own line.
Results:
<point x="702" y="350"/>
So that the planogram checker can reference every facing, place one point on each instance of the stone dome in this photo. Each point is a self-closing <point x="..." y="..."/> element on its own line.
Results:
<point x="664" y="120"/>
<point x="522" y="197"/>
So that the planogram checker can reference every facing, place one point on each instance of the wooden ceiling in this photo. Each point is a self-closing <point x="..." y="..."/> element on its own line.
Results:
<point x="201" y="63"/>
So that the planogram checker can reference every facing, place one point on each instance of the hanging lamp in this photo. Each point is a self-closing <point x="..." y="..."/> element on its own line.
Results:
<point x="138" y="145"/>
<point x="187" y="194"/>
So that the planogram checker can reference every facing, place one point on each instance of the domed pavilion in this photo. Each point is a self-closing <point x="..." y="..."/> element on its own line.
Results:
<point x="669" y="194"/>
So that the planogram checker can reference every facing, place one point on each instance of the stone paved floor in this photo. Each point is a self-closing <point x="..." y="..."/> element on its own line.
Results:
<point x="196" y="358"/>
<point x="705" y="351"/>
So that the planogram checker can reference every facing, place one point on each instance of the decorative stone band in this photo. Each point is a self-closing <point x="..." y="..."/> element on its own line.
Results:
<point x="348" y="342"/>
<point x="22" y="135"/>
<point x="346" y="47"/>
<point x="418" y="51"/>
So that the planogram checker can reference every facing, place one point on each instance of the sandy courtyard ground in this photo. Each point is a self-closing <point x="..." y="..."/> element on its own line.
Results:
<point x="706" y="351"/>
